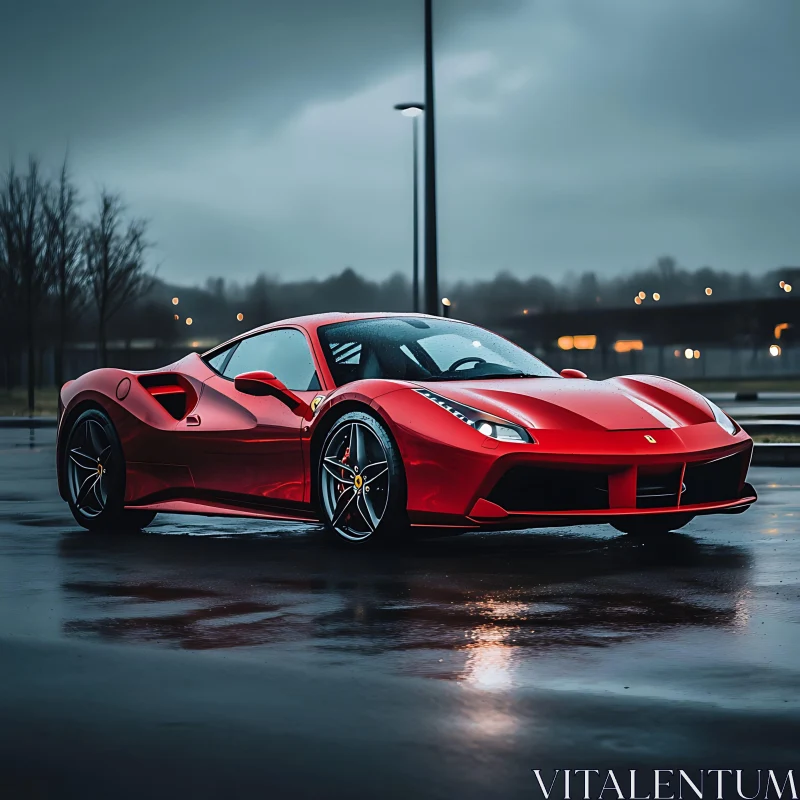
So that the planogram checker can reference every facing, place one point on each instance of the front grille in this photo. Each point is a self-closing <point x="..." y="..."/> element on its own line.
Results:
<point x="658" y="489"/>
<point x="526" y="488"/>
<point x="714" y="481"/>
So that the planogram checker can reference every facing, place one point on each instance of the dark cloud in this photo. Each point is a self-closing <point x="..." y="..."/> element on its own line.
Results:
<point x="573" y="134"/>
<point x="94" y="68"/>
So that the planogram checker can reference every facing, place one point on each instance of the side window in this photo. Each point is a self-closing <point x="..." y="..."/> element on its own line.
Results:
<point x="218" y="361"/>
<point x="284" y="353"/>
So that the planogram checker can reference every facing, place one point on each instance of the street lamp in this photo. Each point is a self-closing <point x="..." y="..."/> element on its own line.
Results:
<point x="431" y="248"/>
<point x="446" y="303"/>
<point x="414" y="110"/>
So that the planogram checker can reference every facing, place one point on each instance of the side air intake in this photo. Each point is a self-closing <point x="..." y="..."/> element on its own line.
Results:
<point x="173" y="392"/>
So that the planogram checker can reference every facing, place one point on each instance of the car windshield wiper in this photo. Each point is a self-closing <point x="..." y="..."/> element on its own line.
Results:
<point x="483" y="376"/>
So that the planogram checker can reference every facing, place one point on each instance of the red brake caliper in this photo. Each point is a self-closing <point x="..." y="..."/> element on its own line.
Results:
<point x="344" y="461"/>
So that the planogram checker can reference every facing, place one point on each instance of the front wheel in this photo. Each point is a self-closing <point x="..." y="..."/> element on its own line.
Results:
<point x="658" y="526"/>
<point x="95" y="475"/>
<point x="361" y="482"/>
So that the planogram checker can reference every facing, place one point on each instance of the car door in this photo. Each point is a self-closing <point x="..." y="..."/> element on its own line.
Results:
<point x="238" y="444"/>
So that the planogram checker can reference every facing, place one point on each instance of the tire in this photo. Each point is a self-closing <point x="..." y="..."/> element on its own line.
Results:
<point x="361" y="497"/>
<point x="653" y="526"/>
<point x="94" y="473"/>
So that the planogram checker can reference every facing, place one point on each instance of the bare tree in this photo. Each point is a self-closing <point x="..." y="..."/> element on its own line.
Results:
<point x="8" y="293"/>
<point x="114" y="263"/>
<point x="23" y="244"/>
<point x="64" y="257"/>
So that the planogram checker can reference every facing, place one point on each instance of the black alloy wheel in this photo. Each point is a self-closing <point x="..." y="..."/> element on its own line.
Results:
<point x="94" y="469"/>
<point x="361" y="482"/>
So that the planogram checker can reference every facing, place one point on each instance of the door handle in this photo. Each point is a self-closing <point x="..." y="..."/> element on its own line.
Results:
<point x="192" y="419"/>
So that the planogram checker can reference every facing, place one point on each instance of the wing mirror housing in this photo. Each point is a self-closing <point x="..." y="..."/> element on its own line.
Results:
<point x="573" y="373"/>
<point x="265" y="384"/>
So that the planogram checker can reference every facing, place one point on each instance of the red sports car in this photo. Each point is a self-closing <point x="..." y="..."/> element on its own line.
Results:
<point x="376" y="424"/>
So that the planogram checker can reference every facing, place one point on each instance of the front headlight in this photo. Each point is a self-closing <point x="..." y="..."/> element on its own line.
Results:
<point x="723" y="420"/>
<point x="487" y="424"/>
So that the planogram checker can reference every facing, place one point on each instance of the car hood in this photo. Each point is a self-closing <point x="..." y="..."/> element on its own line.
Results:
<point x="636" y="402"/>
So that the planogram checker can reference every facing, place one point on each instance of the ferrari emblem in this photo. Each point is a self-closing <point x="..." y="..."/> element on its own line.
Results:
<point x="316" y="401"/>
<point x="649" y="438"/>
<point x="358" y="482"/>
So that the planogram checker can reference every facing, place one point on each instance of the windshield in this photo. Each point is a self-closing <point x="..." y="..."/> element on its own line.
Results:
<point x="414" y="349"/>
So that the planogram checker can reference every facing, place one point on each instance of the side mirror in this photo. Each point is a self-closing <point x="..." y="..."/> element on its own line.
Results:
<point x="265" y="384"/>
<point x="573" y="373"/>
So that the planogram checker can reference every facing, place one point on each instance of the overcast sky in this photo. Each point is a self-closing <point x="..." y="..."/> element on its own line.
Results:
<point x="572" y="134"/>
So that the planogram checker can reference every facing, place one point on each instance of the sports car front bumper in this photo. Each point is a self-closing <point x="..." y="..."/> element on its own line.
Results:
<point x="565" y="478"/>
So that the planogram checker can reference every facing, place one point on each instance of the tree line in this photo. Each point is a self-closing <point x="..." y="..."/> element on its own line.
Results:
<point x="215" y="306"/>
<point x="56" y="263"/>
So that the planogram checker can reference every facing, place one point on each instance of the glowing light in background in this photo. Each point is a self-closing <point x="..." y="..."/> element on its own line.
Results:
<point x="656" y="296"/>
<point x="240" y="316"/>
<point x="779" y="329"/>
<point x="626" y="345"/>
<point x="774" y="349"/>
<point x="688" y="352"/>
<point x="174" y="301"/>
<point x="585" y="341"/>
<point x="189" y="320"/>
<point x="709" y="291"/>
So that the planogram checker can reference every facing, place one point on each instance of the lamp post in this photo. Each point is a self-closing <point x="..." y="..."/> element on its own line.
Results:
<point x="414" y="110"/>
<point x="431" y="251"/>
<point x="446" y="303"/>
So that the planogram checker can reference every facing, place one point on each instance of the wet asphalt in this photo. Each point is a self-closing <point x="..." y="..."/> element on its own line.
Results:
<point x="210" y="657"/>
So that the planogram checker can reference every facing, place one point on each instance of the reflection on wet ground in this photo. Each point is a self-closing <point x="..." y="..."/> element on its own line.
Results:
<point x="580" y="607"/>
<point x="482" y="599"/>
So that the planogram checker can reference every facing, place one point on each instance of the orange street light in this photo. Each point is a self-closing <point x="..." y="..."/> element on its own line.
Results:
<point x="779" y="329"/>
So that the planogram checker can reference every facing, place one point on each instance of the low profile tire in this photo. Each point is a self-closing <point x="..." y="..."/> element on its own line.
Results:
<point x="361" y="482"/>
<point x="653" y="527"/>
<point x="94" y="472"/>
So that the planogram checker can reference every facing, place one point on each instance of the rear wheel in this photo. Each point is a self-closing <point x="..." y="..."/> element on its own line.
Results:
<point x="361" y="483"/>
<point x="653" y="526"/>
<point x="94" y="468"/>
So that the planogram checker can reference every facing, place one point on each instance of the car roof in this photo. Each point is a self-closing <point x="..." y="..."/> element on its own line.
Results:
<point x="313" y="321"/>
